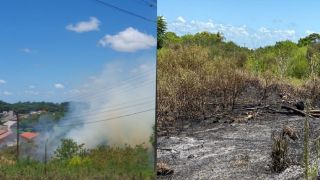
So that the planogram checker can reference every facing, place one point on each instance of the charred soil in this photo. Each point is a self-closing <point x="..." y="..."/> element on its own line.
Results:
<point x="237" y="143"/>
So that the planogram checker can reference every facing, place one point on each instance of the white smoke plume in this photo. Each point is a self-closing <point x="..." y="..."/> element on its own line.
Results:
<point x="96" y="113"/>
<point x="111" y="95"/>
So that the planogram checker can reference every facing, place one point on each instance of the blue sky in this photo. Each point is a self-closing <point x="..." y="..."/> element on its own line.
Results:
<point x="247" y="22"/>
<point x="51" y="49"/>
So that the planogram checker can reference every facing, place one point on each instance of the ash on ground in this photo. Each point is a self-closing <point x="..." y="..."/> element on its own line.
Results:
<point x="234" y="146"/>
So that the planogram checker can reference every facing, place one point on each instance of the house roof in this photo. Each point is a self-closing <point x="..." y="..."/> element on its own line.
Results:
<point x="9" y="123"/>
<point x="4" y="135"/>
<point x="29" y="135"/>
<point x="3" y="129"/>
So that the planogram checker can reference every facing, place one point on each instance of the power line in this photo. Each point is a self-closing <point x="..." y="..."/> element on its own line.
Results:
<point x="115" y="92"/>
<point x="70" y="122"/>
<point x="98" y="113"/>
<point x="95" y="114"/>
<point x="102" y="120"/>
<point x="150" y="4"/>
<point x="136" y="77"/>
<point x="125" y="82"/>
<point x="125" y="11"/>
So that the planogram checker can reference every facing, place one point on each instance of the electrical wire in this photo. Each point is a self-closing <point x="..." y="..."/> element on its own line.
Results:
<point x="124" y="11"/>
<point x="126" y="82"/>
<point x="91" y="114"/>
<point x="149" y="4"/>
<point x="100" y="120"/>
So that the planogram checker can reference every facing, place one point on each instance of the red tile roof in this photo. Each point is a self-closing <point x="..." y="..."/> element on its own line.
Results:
<point x="29" y="135"/>
<point x="4" y="135"/>
<point x="2" y="131"/>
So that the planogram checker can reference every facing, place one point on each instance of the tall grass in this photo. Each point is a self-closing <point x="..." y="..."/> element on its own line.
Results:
<point x="101" y="163"/>
<point x="306" y="145"/>
<point x="311" y="169"/>
<point x="189" y="77"/>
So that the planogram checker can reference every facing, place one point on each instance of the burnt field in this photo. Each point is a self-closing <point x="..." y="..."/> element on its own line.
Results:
<point x="237" y="144"/>
<point x="229" y="112"/>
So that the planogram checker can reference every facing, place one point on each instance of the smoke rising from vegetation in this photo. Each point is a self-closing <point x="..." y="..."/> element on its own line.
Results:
<point x="111" y="95"/>
<point x="96" y="113"/>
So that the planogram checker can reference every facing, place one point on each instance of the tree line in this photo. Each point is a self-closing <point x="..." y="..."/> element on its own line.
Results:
<point x="284" y="59"/>
<point x="27" y="107"/>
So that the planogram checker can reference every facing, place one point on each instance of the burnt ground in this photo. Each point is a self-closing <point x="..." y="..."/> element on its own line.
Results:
<point x="227" y="148"/>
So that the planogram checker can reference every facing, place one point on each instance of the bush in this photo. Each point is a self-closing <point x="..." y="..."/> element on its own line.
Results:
<point x="189" y="77"/>
<point x="104" y="162"/>
<point x="279" y="155"/>
<point x="77" y="161"/>
<point x="298" y="66"/>
<point x="68" y="149"/>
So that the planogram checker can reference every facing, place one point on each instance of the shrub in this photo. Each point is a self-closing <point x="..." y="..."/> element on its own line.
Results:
<point x="279" y="155"/>
<point x="68" y="149"/>
<point x="189" y="77"/>
<point x="77" y="161"/>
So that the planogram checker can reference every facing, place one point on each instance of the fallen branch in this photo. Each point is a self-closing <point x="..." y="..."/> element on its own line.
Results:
<point x="259" y="107"/>
<point x="296" y="111"/>
<point x="163" y="169"/>
<point x="316" y="111"/>
<point x="277" y="111"/>
<point x="166" y="149"/>
<point x="315" y="114"/>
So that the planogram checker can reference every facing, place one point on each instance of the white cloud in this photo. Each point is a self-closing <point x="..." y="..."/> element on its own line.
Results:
<point x="129" y="40"/>
<point x="85" y="26"/>
<point x="26" y="50"/>
<point x="2" y="81"/>
<point x="308" y="32"/>
<point x="75" y="91"/>
<point x="59" y="86"/>
<point x="31" y="86"/>
<point x="264" y="30"/>
<point x="31" y="92"/>
<point x="288" y="32"/>
<point x="240" y="34"/>
<point x="7" y="93"/>
<point x="181" y="26"/>
<point x="145" y="67"/>
<point x="181" y="19"/>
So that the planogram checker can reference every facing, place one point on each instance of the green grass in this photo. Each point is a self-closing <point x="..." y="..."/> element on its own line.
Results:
<point x="103" y="162"/>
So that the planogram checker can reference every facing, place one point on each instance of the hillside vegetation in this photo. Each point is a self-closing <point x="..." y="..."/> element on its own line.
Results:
<point x="72" y="161"/>
<point x="26" y="107"/>
<point x="197" y="69"/>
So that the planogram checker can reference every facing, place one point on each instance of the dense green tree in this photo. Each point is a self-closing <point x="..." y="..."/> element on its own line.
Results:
<point x="68" y="149"/>
<point x="202" y="39"/>
<point x="4" y="106"/>
<point x="152" y="137"/>
<point x="284" y="51"/>
<point x="313" y="56"/>
<point x="284" y="59"/>
<point x="207" y="38"/>
<point x="187" y="39"/>
<point x="161" y="30"/>
<point x="27" y="107"/>
<point x="306" y="41"/>
<point x="298" y="66"/>
<point x="313" y="50"/>
<point x="171" y="39"/>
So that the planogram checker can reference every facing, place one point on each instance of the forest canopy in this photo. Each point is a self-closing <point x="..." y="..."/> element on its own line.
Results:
<point x="285" y="59"/>
<point x="26" y="107"/>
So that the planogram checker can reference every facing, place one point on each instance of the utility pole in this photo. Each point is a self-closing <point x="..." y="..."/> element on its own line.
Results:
<point x="45" y="157"/>
<point x="17" y="116"/>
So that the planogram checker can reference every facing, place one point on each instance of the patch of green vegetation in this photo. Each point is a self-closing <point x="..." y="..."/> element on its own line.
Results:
<point x="27" y="107"/>
<point x="72" y="161"/>
<point x="285" y="59"/>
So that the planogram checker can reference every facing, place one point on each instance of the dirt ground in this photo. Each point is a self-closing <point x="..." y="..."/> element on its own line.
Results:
<point x="224" y="148"/>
